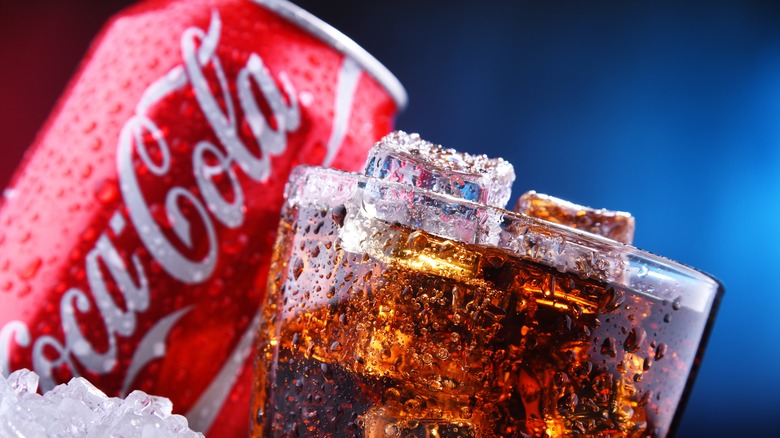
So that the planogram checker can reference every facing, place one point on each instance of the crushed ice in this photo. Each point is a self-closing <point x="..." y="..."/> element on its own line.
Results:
<point x="80" y="409"/>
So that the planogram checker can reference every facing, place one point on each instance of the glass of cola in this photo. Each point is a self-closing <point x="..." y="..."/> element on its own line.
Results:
<point x="405" y="302"/>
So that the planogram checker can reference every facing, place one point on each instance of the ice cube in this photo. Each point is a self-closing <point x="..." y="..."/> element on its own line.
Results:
<point x="407" y="159"/>
<point x="80" y="409"/>
<point x="615" y="225"/>
<point x="23" y="382"/>
<point x="413" y="182"/>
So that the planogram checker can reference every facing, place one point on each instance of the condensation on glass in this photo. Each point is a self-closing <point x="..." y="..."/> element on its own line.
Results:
<point x="405" y="302"/>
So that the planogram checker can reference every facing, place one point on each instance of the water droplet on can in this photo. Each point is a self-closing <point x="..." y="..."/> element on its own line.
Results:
<point x="107" y="193"/>
<point x="31" y="269"/>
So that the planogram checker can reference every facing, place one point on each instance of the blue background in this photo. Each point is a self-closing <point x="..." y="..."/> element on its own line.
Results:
<point x="668" y="110"/>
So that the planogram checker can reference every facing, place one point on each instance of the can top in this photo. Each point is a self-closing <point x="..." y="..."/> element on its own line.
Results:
<point x="341" y="43"/>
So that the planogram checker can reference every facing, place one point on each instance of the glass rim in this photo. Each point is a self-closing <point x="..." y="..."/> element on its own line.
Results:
<point x="566" y="249"/>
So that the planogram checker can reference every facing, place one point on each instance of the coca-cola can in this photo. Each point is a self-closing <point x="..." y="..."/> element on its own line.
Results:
<point x="135" y="236"/>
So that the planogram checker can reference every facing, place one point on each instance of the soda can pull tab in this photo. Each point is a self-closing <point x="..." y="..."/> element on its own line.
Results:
<point x="615" y="225"/>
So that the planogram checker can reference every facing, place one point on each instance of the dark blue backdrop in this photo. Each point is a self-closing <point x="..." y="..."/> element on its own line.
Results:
<point x="668" y="110"/>
<point x="664" y="109"/>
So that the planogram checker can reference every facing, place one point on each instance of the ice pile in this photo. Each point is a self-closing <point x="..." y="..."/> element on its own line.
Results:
<point x="80" y="409"/>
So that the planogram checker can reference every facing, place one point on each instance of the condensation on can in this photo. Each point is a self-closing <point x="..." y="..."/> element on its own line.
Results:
<point x="136" y="234"/>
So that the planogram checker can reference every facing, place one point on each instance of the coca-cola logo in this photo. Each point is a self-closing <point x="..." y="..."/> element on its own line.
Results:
<point x="211" y="207"/>
<point x="256" y="164"/>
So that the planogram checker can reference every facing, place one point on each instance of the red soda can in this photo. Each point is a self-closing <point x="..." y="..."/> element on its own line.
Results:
<point x="135" y="236"/>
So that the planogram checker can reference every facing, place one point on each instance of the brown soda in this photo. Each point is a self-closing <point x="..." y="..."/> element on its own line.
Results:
<point x="420" y="336"/>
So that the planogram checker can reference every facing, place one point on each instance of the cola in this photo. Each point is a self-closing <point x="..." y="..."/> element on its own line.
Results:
<point x="137" y="232"/>
<point x="394" y="310"/>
